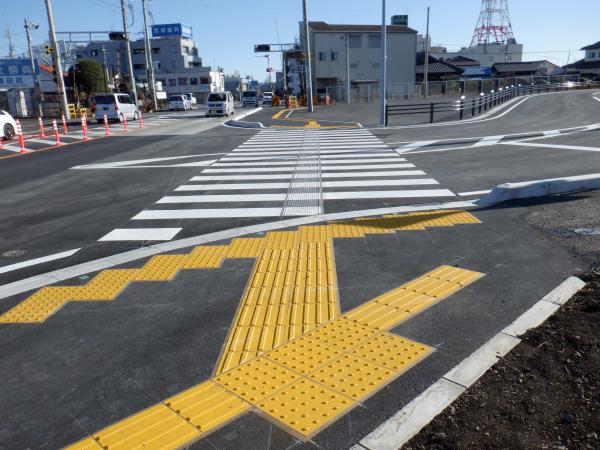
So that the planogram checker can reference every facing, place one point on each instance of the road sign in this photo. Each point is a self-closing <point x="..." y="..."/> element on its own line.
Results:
<point x="16" y="73"/>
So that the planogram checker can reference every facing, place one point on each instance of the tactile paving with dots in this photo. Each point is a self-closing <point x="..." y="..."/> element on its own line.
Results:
<point x="304" y="354"/>
<point x="394" y="352"/>
<point x="305" y="407"/>
<point x="256" y="380"/>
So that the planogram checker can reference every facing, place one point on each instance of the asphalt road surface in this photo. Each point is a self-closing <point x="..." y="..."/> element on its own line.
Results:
<point x="79" y="359"/>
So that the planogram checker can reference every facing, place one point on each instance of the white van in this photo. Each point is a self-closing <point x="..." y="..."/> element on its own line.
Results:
<point x="249" y="98"/>
<point x="220" y="103"/>
<point x="115" y="106"/>
<point x="179" y="102"/>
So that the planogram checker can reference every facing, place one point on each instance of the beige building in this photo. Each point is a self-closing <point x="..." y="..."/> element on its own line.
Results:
<point x="339" y="51"/>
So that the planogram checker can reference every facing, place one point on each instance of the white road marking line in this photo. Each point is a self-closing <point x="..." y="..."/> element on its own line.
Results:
<point x="33" y="262"/>
<point x="373" y="174"/>
<point x="287" y="162"/>
<point x="596" y="98"/>
<point x="551" y="132"/>
<point x="225" y="198"/>
<point x="554" y="146"/>
<point x="387" y="194"/>
<point x="41" y="141"/>
<point x="290" y="168"/>
<point x="468" y="194"/>
<point x="308" y="184"/>
<point x="287" y="176"/>
<point x="14" y="148"/>
<point x="413" y="145"/>
<point x="293" y="155"/>
<point x="322" y="152"/>
<point x="489" y="140"/>
<point x="170" y="214"/>
<point x="141" y="234"/>
<point x="137" y="162"/>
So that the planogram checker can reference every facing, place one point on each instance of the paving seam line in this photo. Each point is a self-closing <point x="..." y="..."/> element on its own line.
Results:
<point x="45" y="279"/>
<point x="412" y="418"/>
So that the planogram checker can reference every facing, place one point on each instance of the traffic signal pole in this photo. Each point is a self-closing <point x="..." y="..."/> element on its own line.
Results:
<point x="36" y="79"/>
<point x="60" y="81"/>
<point x="308" y="63"/>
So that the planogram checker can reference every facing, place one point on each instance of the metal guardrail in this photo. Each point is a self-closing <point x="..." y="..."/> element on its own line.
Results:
<point x="473" y="106"/>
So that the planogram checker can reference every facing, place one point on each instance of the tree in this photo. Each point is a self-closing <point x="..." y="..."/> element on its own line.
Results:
<point x="88" y="77"/>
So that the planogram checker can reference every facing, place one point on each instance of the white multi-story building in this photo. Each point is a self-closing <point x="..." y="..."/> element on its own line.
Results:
<point x="340" y="52"/>
<point x="487" y="55"/>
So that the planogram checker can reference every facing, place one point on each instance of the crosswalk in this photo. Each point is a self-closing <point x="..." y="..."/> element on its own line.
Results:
<point x="286" y="173"/>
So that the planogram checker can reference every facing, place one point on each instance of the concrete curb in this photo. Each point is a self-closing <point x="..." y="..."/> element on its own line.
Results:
<point x="411" y="419"/>
<point x="38" y="281"/>
<point x="241" y="124"/>
<point x="540" y="188"/>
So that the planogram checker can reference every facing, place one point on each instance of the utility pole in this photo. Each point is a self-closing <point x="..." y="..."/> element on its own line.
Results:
<point x="149" y="66"/>
<point x="38" y="90"/>
<point x="308" y="63"/>
<point x="426" y="63"/>
<point x="104" y="68"/>
<point x="383" y="62"/>
<point x="11" y="47"/>
<point x="60" y="81"/>
<point x="128" y="50"/>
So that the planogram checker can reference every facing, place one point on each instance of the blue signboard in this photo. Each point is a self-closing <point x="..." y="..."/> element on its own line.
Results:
<point x="16" y="74"/>
<point x="172" y="29"/>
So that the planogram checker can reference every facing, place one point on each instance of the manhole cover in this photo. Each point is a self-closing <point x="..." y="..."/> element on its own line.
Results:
<point x="588" y="231"/>
<point x="14" y="253"/>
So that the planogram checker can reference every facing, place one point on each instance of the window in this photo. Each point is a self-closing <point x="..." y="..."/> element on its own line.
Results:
<point x="156" y="50"/>
<point x="204" y="80"/>
<point x="355" y="41"/>
<point x="138" y="66"/>
<point x="182" y="81"/>
<point x="186" y="50"/>
<point x="334" y="56"/>
<point x="322" y="56"/>
<point x="374" y="41"/>
<point x="173" y="49"/>
<point x="194" y="81"/>
<point x="172" y="82"/>
<point x="174" y="65"/>
<point x="592" y="54"/>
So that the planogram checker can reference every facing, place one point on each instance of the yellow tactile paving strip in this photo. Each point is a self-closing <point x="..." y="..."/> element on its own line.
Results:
<point x="290" y="354"/>
<point x="302" y="385"/>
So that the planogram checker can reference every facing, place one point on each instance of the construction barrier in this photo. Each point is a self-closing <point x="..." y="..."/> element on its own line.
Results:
<point x="124" y="123"/>
<point x="55" y="129"/>
<point x="141" y="121"/>
<point x="84" y="127"/>
<point x="41" y="126"/>
<point x="64" y="125"/>
<point x="106" y="129"/>
<point x="21" y="139"/>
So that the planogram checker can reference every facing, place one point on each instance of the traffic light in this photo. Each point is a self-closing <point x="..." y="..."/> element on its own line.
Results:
<point x="262" y="48"/>
<point x="49" y="50"/>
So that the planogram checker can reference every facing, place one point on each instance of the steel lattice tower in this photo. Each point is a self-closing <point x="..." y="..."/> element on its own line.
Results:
<point x="493" y="25"/>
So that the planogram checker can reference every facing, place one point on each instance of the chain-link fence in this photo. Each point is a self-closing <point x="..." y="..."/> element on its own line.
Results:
<point x="370" y="92"/>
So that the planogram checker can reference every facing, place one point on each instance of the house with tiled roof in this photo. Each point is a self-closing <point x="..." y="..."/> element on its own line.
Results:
<point x="590" y="64"/>
<point x="525" y="69"/>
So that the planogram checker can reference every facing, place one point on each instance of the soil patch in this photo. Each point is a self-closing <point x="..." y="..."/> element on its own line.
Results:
<point x="543" y="394"/>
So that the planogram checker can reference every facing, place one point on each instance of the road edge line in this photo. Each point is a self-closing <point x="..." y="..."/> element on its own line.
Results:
<point x="412" y="418"/>
<point x="45" y="279"/>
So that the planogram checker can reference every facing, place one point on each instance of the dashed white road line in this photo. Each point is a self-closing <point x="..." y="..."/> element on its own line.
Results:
<point x="469" y="194"/>
<point x="33" y="262"/>
<point x="141" y="234"/>
<point x="554" y="146"/>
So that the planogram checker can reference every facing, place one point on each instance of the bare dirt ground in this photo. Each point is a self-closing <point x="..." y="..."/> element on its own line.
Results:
<point x="545" y="394"/>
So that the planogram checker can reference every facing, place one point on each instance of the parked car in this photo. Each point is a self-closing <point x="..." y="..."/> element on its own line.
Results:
<point x="179" y="103"/>
<point x="220" y="103"/>
<point x="267" y="98"/>
<point x="249" y="98"/>
<point x="8" y="126"/>
<point x="115" y="106"/>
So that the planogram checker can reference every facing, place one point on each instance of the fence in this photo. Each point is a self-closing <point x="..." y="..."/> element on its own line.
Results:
<point x="472" y="106"/>
<point x="369" y="92"/>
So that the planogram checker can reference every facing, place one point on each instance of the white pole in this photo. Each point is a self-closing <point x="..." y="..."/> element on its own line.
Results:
<point x="308" y="74"/>
<point x="56" y="62"/>
<point x="128" y="50"/>
<point x="36" y="79"/>
<point x="149" y="67"/>
<point x="383" y="62"/>
<point x="349" y="87"/>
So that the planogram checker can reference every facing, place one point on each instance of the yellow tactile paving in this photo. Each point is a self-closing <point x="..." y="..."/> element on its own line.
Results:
<point x="257" y="379"/>
<point x="158" y="427"/>
<point x="207" y="406"/>
<point x="391" y="351"/>
<point x="304" y="354"/>
<point x="305" y="407"/>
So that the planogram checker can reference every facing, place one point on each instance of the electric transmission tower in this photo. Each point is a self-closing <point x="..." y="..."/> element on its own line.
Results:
<point x="493" y="25"/>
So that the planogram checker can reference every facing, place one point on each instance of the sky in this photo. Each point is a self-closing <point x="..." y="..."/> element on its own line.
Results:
<point x="226" y="30"/>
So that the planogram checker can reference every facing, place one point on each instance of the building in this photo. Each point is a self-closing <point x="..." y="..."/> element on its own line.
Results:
<point x="175" y="59"/>
<point x="590" y="65"/>
<point x="542" y="68"/>
<point x="438" y="69"/>
<point x="487" y="55"/>
<point x="339" y="49"/>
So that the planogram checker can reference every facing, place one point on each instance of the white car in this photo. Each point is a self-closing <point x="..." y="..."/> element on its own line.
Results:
<point x="179" y="103"/>
<point x="220" y="103"/>
<point x="8" y="126"/>
<point x="115" y="106"/>
<point x="267" y="99"/>
<point x="193" y="100"/>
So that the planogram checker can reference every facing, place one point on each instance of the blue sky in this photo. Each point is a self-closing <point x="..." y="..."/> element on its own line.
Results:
<point x="226" y="30"/>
